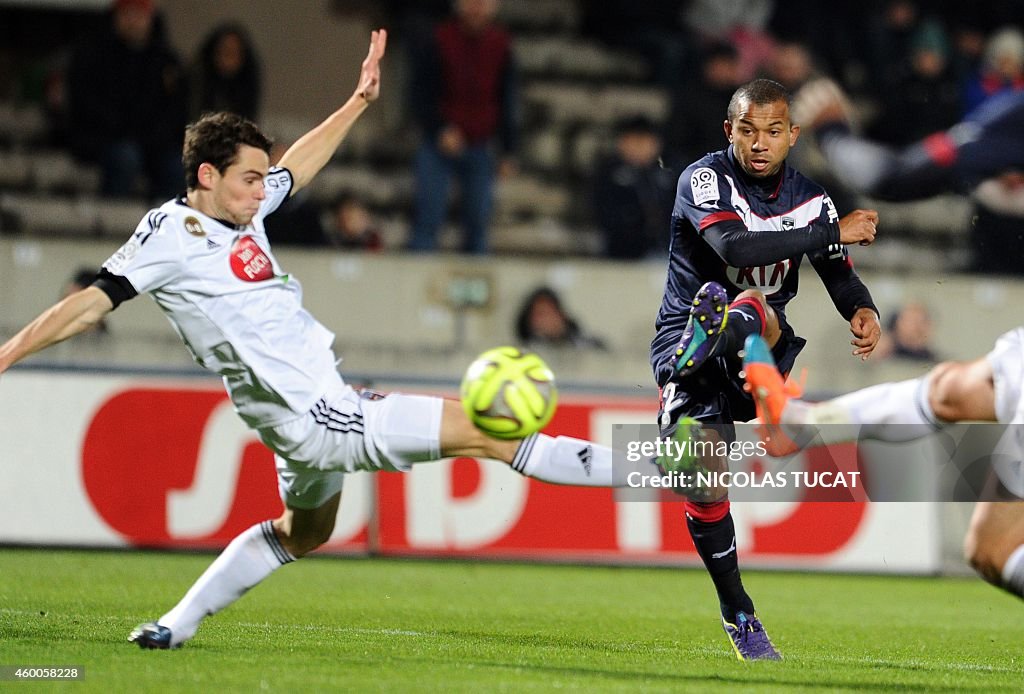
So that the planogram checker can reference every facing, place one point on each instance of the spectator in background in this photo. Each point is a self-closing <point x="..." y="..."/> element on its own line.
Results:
<point x="968" y="49"/>
<point x="888" y="35"/>
<point x="926" y="95"/>
<point x="908" y="335"/>
<point x="741" y="23"/>
<point x="352" y="226"/>
<point x="791" y="65"/>
<point x="464" y="94"/>
<point x="633" y="193"/>
<point x="698" y="110"/>
<point x="1002" y="70"/>
<point x="543" y="322"/>
<point x="652" y="29"/>
<point x="127" y="106"/>
<point x="226" y="74"/>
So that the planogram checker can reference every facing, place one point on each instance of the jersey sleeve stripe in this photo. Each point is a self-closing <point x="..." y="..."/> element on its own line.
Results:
<point x="716" y="217"/>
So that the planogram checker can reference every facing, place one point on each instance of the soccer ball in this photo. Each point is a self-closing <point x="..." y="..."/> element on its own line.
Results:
<point x="509" y="393"/>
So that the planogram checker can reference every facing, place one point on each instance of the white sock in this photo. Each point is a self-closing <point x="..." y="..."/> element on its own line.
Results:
<point x="1013" y="572"/>
<point x="251" y="557"/>
<point x="894" y="412"/>
<point x="564" y="460"/>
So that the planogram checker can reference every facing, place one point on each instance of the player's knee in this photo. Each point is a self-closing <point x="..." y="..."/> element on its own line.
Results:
<point x="754" y="294"/>
<point x="943" y="395"/>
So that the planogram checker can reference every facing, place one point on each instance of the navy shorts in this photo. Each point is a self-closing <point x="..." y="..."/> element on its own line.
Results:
<point x="714" y="393"/>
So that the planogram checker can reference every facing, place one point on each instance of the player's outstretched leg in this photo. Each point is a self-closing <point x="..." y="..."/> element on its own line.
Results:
<point x="704" y="329"/>
<point x="246" y="561"/>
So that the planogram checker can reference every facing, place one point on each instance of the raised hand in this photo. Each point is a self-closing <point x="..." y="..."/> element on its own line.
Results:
<point x="369" y="75"/>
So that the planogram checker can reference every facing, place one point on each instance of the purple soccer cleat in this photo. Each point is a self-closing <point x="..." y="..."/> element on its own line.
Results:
<point x="703" y="330"/>
<point x="749" y="639"/>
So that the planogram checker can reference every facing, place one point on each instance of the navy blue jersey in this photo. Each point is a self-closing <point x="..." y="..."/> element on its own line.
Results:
<point x="771" y="225"/>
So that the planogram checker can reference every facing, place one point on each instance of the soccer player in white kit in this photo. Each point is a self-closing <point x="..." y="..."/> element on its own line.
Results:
<point x="206" y="261"/>
<point x="989" y="389"/>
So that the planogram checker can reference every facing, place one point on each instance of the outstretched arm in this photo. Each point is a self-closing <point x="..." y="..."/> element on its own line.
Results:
<point x="313" y="150"/>
<point x="918" y="171"/>
<point x="73" y="315"/>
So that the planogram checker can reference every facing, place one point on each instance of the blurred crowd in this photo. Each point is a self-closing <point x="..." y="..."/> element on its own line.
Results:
<point x="118" y="97"/>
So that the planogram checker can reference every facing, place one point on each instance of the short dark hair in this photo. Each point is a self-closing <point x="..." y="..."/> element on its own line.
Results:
<point x="757" y="93"/>
<point x="215" y="138"/>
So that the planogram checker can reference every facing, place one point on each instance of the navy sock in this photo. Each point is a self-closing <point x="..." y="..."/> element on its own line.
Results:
<point x="716" y="545"/>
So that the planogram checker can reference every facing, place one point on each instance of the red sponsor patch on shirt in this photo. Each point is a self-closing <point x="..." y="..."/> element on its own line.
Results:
<point x="249" y="262"/>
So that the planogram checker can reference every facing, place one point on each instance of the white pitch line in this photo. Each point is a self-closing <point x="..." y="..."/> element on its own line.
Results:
<point x="341" y="630"/>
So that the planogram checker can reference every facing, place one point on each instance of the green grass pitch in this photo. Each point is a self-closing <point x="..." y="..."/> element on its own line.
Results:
<point x="330" y="624"/>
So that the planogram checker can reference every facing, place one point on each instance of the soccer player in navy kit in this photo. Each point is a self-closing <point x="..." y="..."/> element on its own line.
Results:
<point x="983" y="154"/>
<point x="742" y="223"/>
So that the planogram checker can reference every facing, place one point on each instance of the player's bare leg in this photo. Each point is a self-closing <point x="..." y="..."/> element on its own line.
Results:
<point x="894" y="412"/>
<point x="963" y="391"/>
<point x="300" y="531"/>
<point x="994" y="544"/>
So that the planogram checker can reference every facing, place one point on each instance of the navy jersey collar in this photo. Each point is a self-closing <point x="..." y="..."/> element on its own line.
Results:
<point x="766" y="189"/>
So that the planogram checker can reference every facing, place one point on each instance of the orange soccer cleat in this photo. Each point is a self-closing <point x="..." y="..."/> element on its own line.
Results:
<point x="771" y="392"/>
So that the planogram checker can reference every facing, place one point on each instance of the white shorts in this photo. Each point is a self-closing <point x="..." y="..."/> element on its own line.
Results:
<point x="349" y="430"/>
<point x="1007" y="361"/>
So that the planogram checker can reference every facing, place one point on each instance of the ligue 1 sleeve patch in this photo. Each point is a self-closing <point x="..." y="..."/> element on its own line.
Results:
<point x="118" y="262"/>
<point x="704" y="186"/>
<point x="249" y="262"/>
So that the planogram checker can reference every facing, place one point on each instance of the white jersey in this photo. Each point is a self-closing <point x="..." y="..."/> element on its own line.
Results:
<point x="238" y="312"/>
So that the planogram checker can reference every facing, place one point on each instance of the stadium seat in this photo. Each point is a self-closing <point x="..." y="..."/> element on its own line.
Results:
<point x="20" y="125"/>
<point x="56" y="170"/>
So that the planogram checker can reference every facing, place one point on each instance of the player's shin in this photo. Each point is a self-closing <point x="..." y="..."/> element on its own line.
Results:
<point x="247" y="560"/>
<point x="714" y="535"/>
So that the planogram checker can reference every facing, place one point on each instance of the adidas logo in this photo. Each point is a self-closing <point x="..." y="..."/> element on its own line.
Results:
<point x="585" y="455"/>
<point x="210" y="244"/>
